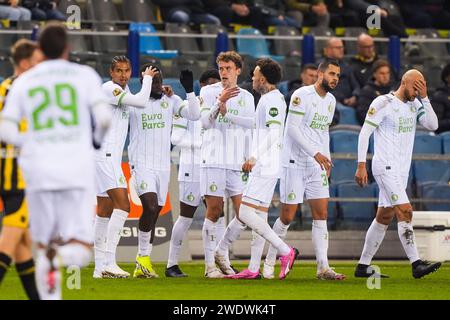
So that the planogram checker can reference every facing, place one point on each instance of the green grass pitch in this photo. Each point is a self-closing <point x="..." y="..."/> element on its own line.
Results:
<point x="299" y="285"/>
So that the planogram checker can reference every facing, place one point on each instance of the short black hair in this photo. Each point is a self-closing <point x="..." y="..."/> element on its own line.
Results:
<point x="119" y="59"/>
<point x="210" y="73"/>
<point x="53" y="40"/>
<point x="445" y="73"/>
<point x="323" y="66"/>
<point x="380" y="63"/>
<point x="309" y="66"/>
<point x="270" y="69"/>
<point x="144" y="67"/>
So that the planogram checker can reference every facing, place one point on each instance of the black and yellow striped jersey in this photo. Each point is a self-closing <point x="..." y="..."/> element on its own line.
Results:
<point x="11" y="179"/>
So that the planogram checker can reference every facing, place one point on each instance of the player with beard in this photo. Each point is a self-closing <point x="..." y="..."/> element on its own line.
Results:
<point x="306" y="165"/>
<point x="393" y="118"/>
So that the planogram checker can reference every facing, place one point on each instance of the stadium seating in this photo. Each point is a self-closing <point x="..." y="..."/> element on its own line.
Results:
<point x="151" y="45"/>
<point x="139" y="11"/>
<point x="320" y="44"/>
<point x="283" y="87"/>
<point x="342" y="141"/>
<point x="356" y="213"/>
<point x="209" y="44"/>
<point x="184" y="45"/>
<point x="343" y="170"/>
<point x="286" y="47"/>
<point x="437" y="191"/>
<point x="347" y="115"/>
<point x="257" y="48"/>
<point x="292" y="68"/>
<point x="446" y="142"/>
<point x="431" y="171"/>
<point x="104" y="11"/>
<point x="176" y="86"/>
<point x="424" y="143"/>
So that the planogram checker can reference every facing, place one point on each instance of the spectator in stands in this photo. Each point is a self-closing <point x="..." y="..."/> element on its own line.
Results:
<point x="308" y="76"/>
<point x="10" y="9"/>
<point x="391" y="24"/>
<point x="274" y="14"/>
<point x="44" y="10"/>
<point x="308" y="12"/>
<point x="380" y="83"/>
<point x="432" y="14"/>
<point x="441" y="101"/>
<point x="235" y="11"/>
<point x="364" y="59"/>
<point x="348" y="87"/>
<point x="341" y="16"/>
<point x="185" y="11"/>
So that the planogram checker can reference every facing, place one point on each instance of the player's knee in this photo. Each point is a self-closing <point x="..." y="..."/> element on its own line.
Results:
<point x="286" y="219"/>
<point x="124" y="205"/>
<point x="406" y="213"/>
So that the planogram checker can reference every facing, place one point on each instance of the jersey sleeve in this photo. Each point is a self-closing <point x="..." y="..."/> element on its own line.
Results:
<point x="297" y="105"/>
<point x="178" y="105"/>
<point x="179" y="122"/>
<point x="274" y="113"/>
<point x="377" y="111"/>
<point x="114" y="93"/>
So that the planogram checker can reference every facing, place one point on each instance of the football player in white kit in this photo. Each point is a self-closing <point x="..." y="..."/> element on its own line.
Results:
<point x="393" y="117"/>
<point x="228" y="114"/>
<point x="58" y="98"/>
<point x="113" y="205"/>
<point x="264" y="164"/>
<point x="187" y="135"/>
<point x="307" y="163"/>
<point x="149" y="151"/>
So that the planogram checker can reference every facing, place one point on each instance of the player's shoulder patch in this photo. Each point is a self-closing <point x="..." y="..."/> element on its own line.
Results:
<point x="296" y="101"/>
<point x="116" y="92"/>
<point x="273" y="112"/>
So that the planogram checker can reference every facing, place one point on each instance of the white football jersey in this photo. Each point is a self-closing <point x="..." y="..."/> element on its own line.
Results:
<point x="56" y="98"/>
<point x="226" y="145"/>
<point x="150" y="130"/>
<point x="317" y="114"/>
<point x="268" y="135"/>
<point x="114" y="142"/>
<point x="395" y="123"/>
<point x="190" y="153"/>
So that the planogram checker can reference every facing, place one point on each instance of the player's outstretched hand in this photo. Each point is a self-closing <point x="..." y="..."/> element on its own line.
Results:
<point x="187" y="80"/>
<point x="150" y="71"/>
<point x="248" y="165"/>
<point x="323" y="161"/>
<point x="361" y="175"/>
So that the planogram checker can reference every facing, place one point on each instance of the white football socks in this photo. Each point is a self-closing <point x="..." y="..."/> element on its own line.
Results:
<point x="209" y="234"/>
<point x="232" y="233"/>
<point x="144" y="243"/>
<point x="260" y="226"/>
<point x="115" y="226"/>
<point x="406" y="235"/>
<point x="320" y="243"/>
<point x="257" y="246"/>
<point x="48" y="282"/>
<point x="100" y="229"/>
<point x="179" y="230"/>
<point x="280" y="230"/>
<point x="374" y="237"/>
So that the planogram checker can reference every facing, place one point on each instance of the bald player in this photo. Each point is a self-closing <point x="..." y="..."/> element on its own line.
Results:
<point x="393" y="117"/>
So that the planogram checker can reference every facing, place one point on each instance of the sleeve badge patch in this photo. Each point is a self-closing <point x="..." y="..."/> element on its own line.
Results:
<point x="116" y="92"/>
<point x="273" y="112"/>
<point x="372" y="111"/>
<point x="296" y="101"/>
